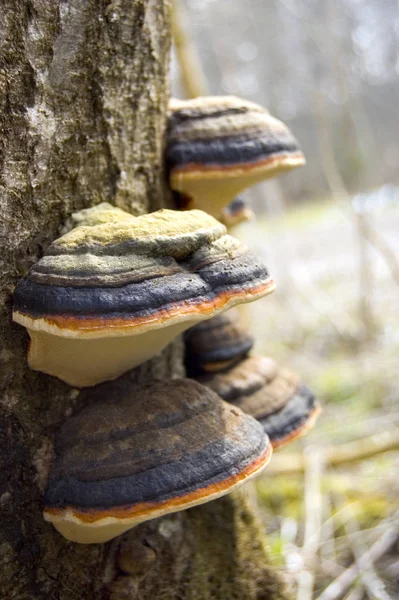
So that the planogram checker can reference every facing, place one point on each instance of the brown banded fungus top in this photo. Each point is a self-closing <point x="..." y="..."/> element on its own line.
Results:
<point x="273" y="395"/>
<point x="294" y="420"/>
<point x="217" y="344"/>
<point x="136" y="453"/>
<point x="107" y="297"/>
<point x="219" y="145"/>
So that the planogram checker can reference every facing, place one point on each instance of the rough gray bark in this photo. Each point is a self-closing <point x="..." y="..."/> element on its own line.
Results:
<point x="83" y="95"/>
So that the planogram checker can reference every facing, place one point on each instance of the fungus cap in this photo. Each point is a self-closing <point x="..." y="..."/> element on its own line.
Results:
<point x="107" y="297"/>
<point x="96" y="215"/>
<point x="217" y="343"/>
<point x="294" y="420"/>
<point x="238" y="211"/>
<point x="219" y="145"/>
<point x="271" y="394"/>
<point x="135" y="453"/>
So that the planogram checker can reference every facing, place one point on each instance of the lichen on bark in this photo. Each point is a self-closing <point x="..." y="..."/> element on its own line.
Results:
<point x="83" y="96"/>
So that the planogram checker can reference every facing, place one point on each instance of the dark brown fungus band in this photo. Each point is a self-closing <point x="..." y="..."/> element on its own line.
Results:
<point x="137" y="453"/>
<point x="217" y="344"/>
<point x="107" y="297"/>
<point x="219" y="145"/>
<point x="273" y="395"/>
<point x="294" y="420"/>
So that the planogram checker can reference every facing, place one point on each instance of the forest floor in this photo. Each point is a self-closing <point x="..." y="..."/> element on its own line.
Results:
<point x="335" y="320"/>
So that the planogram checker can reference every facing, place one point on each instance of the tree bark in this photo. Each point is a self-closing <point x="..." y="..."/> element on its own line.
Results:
<point x="83" y="94"/>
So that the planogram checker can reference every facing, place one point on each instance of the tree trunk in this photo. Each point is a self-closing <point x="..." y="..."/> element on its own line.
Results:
<point x="83" y="93"/>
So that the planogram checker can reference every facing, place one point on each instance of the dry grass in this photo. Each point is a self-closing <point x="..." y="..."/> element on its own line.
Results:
<point x="315" y="323"/>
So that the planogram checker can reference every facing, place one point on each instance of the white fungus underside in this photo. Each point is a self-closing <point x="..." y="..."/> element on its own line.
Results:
<point x="211" y="190"/>
<point x="84" y="363"/>
<point x="90" y="359"/>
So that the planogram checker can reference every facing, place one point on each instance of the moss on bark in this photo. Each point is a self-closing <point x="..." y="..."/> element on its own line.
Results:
<point x="211" y="552"/>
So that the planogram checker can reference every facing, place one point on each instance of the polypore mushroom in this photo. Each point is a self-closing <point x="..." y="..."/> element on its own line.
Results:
<point x="138" y="452"/>
<point x="294" y="420"/>
<point x="273" y="395"/>
<point x="96" y="215"/>
<point x="219" y="145"/>
<point x="108" y="297"/>
<point x="236" y="212"/>
<point x="217" y="344"/>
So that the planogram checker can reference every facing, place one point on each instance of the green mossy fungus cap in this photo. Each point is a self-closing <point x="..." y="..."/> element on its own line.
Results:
<point x="108" y="296"/>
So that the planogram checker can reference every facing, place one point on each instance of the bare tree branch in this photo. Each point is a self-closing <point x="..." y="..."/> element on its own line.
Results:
<point x="192" y="76"/>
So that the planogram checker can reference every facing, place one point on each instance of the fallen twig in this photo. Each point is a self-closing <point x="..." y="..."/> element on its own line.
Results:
<point x="371" y="582"/>
<point x="330" y="568"/>
<point x="327" y="541"/>
<point x="393" y="570"/>
<point x="338" y="587"/>
<point x="357" y="593"/>
<point x="313" y="516"/>
<point x="339" y="455"/>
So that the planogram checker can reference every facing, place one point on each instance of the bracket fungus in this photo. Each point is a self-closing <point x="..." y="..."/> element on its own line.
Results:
<point x="96" y="215"/>
<point x="294" y="420"/>
<point x="217" y="344"/>
<point x="107" y="297"/>
<point x="138" y="452"/>
<point x="238" y="211"/>
<point x="273" y="395"/>
<point x="219" y="145"/>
